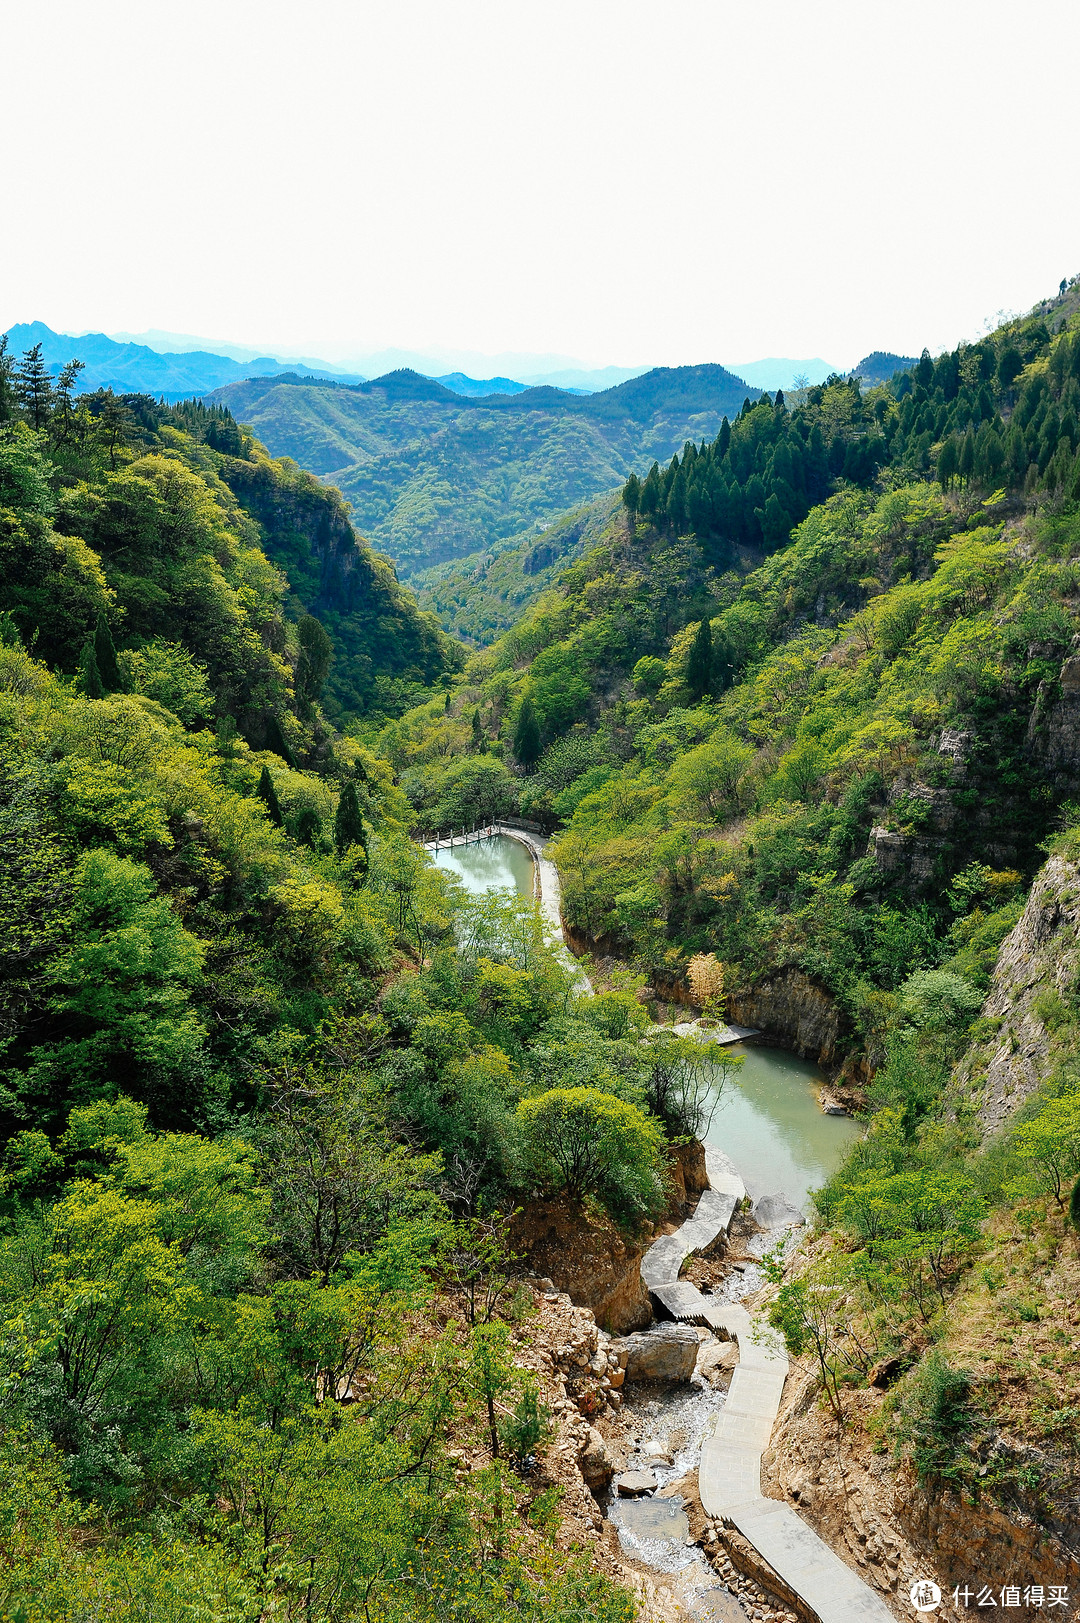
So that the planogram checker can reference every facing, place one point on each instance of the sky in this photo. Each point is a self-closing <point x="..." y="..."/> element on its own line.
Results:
<point x="610" y="182"/>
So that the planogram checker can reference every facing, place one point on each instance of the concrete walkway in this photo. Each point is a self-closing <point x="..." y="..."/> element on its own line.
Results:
<point x="729" y="1475"/>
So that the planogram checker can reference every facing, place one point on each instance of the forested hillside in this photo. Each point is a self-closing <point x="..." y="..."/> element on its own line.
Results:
<point x="479" y="597"/>
<point x="214" y="499"/>
<point x="836" y="761"/>
<point x="268" y="1078"/>
<point x="434" y="476"/>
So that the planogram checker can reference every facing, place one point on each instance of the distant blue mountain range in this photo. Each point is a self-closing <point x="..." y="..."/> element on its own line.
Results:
<point x="137" y="369"/>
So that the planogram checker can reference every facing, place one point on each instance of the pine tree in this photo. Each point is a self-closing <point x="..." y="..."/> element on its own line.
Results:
<point x="33" y="388"/>
<point x="313" y="665"/>
<point x="65" y="417"/>
<point x="924" y="370"/>
<point x="105" y="655"/>
<point x="309" y="827"/>
<point x="114" y="423"/>
<point x="527" y="735"/>
<point x="446" y="705"/>
<point x="276" y="740"/>
<point x="90" y="682"/>
<point x="966" y="464"/>
<point x="699" y="661"/>
<point x="348" y="823"/>
<point x="268" y="795"/>
<point x="632" y="493"/>
<point x="8" y="398"/>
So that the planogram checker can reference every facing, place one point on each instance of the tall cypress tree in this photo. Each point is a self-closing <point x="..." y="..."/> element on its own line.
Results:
<point x="268" y="795"/>
<point x="276" y="740"/>
<point x="527" y="735"/>
<point x="90" y="681"/>
<point x="105" y="654"/>
<point x="699" y="661"/>
<point x="348" y="823"/>
<point x="966" y="464"/>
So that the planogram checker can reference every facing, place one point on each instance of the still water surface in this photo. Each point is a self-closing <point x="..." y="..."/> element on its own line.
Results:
<point x="498" y="863"/>
<point x="768" y="1121"/>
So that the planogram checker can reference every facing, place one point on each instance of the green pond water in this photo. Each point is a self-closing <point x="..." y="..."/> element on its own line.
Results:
<point x="768" y="1120"/>
<point x="770" y="1123"/>
<point x="498" y="863"/>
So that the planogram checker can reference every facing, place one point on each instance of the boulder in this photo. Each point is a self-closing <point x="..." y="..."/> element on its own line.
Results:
<point x="667" y="1352"/>
<point x="633" y="1483"/>
<point x="597" y="1465"/>
<point x="716" y="1361"/>
<point x="777" y="1212"/>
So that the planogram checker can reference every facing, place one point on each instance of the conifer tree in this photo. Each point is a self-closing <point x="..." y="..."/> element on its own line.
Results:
<point x="966" y="463"/>
<point x="948" y="462"/>
<point x="446" y="705"/>
<point x="309" y="827"/>
<point x="33" y="388"/>
<point x="105" y="656"/>
<point x="8" y="399"/>
<point x="527" y="735"/>
<point x="313" y="665"/>
<point x="348" y="823"/>
<point x="477" y="730"/>
<point x="632" y="493"/>
<point x="276" y="741"/>
<point x="65" y="417"/>
<point x="90" y="682"/>
<point x="268" y="795"/>
<point x="699" y="661"/>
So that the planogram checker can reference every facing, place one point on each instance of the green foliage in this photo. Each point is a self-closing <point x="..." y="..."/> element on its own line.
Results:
<point x="585" y="1142"/>
<point x="431" y="474"/>
<point x="527" y="733"/>
<point x="933" y="1420"/>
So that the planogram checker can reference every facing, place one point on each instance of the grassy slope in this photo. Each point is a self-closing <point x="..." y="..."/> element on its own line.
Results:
<point x="432" y="476"/>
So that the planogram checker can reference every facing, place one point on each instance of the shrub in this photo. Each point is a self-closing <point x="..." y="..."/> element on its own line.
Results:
<point x="585" y="1141"/>
<point x="933" y="1420"/>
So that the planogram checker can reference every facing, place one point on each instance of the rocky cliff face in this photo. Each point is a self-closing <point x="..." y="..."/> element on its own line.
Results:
<point x="873" y="1513"/>
<point x="1039" y="962"/>
<point x="793" y="1012"/>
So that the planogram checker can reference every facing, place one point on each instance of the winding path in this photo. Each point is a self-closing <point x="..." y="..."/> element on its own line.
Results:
<point x="729" y="1476"/>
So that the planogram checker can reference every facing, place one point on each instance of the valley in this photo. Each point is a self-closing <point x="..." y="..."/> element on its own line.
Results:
<point x="334" y="1191"/>
<point x="433" y="476"/>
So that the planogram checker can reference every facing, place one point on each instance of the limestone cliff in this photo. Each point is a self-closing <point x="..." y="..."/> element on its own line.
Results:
<point x="793" y="1012"/>
<point x="1038" y="964"/>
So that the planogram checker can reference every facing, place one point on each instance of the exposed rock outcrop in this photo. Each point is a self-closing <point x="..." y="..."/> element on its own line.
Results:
<point x="585" y="1256"/>
<point x="1039" y="962"/>
<point x="792" y="1011"/>
<point x="873" y="1512"/>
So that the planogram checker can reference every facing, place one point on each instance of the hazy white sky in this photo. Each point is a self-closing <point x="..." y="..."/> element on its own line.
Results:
<point x="615" y="180"/>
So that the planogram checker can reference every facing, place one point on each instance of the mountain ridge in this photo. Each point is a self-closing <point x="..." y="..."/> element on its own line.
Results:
<point x="433" y="476"/>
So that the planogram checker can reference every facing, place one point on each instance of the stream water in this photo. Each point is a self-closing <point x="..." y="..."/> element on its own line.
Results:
<point x="768" y="1120"/>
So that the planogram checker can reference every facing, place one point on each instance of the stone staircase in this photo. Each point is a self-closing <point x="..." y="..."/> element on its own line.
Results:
<point x="729" y="1476"/>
